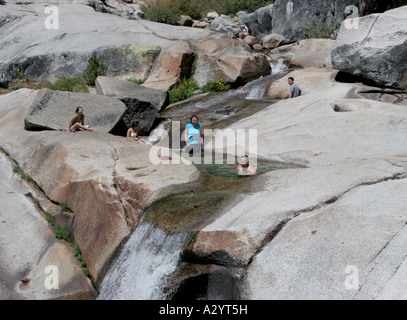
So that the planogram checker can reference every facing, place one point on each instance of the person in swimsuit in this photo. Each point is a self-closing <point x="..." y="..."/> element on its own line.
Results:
<point x="132" y="133"/>
<point x="244" y="168"/>
<point x="77" y="122"/>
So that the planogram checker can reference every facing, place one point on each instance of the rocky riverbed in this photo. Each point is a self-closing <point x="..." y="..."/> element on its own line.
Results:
<point x="332" y="226"/>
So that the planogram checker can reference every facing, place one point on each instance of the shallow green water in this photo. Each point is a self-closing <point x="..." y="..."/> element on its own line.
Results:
<point x="228" y="170"/>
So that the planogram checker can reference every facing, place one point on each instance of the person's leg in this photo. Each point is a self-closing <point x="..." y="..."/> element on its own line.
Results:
<point x="77" y="126"/>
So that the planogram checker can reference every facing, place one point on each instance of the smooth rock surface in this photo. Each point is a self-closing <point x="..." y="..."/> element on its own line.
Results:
<point x="375" y="50"/>
<point x="28" y="248"/>
<point x="52" y="110"/>
<point x="297" y="230"/>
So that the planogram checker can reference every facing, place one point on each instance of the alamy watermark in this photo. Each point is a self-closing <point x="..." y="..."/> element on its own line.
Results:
<point x="217" y="144"/>
<point x="52" y="281"/>
<point x="52" y="20"/>
<point x="352" y="280"/>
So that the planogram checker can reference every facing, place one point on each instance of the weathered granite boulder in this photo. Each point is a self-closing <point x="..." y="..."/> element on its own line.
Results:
<point x="305" y="53"/>
<point x="30" y="254"/>
<point x="127" y="47"/>
<point x="272" y="41"/>
<point x="126" y="9"/>
<point x="52" y="110"/>
<point x="375" y="50"/>
<point x="251" y="40"/>
<point x="105" y="180"/>
<point x="260" y="21"/>
<point x="186" y="21"/>
<point x="313" y="53"/>
<point x="297" y="19"/>
<point x="172" y="65"/>
<point x="230" y="60"/>
<point x="143" y="104"/>
<point x="224" y="24"/>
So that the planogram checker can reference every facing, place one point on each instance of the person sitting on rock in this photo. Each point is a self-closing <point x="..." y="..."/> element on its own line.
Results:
<point x="245" y="31"/>
<point x="295" y="91"/>
<point x="77" y="122"/>
<point x="132" y="133"/>
<point x="244" y="168"/>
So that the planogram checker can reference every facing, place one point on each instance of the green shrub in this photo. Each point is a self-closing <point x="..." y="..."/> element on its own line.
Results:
<point x="193" y="9"/>
<point x="231" y="7"/>
<point x="63" y="206"/>
<point x="136" y="81"/>
<point x="215" y="86"/>
<point x="169" y="11"/>
<point x="321" y="28"/>
<point x="183" y="90"/>
<point x="60" y="232"/>
<point x="96" y="68"/>
<point x="18" y="170"/>
<point x="68" y="84"/>
<point x="77" y="253"/>
<point x="163" y="14"/>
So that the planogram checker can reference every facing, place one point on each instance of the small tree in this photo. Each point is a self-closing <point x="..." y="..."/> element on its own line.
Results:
<point x="96" y="68"/>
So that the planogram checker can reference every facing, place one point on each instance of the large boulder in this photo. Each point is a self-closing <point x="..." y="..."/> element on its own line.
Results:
<point x="30" y="253"/>
<point x="375" y="50"/>
<point x="172" y="65"/>
<point x="230" y="60"/>
<point x="52" y="110"/>
<point x="143" y="104"/>
<point x="127" y="47"/>
<point x="306" y="53"/>
<point x="105" y="180"/>
<point x="300" y="21"/>
<point x="224" y="24"/>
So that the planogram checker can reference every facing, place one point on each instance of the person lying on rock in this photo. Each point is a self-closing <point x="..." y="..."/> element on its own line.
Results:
<point x="295" y="91"/>
<point x="132" y="133"/>
<point x="77" y="122"/>
<point x="244" y="168"/>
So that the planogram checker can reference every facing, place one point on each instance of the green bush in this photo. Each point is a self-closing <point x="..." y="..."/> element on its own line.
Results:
<point x="96" y="68"/>
<point x="193" y="9"/>
<point x="60" y="232"/>
<point x="136" y="81"/>
<point x="321" y="28"/>
<point x="215" y="86"/>
<point x="164" y="14"/>
<point x="169" y="11"/>
<point x="68" y="84"/>
<point x="183" y="90"/>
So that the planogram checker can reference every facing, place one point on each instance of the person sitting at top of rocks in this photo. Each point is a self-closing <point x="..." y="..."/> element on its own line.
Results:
<point x="295" y="91"/>
<point x="245" y="31"/>
<point x="77" y="122"/>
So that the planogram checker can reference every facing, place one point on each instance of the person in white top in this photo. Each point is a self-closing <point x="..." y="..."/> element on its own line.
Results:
<point x="132" y="133"/>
